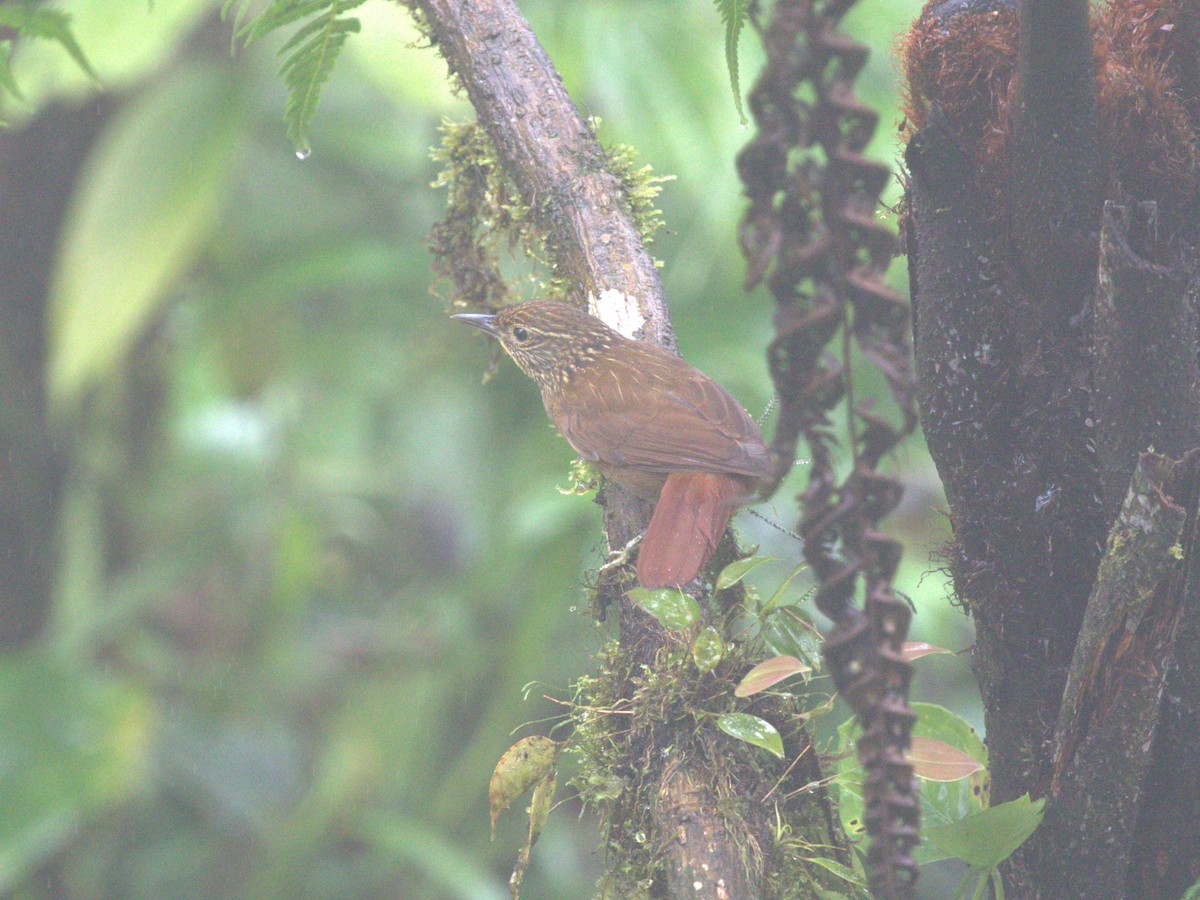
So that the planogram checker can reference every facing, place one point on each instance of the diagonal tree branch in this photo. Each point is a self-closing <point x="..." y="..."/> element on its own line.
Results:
<point x="549" y="150"/>
<point x="551" y="154"/>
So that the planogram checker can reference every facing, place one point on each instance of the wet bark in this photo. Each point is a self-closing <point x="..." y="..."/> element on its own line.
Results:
<point x="1056" y="344"/>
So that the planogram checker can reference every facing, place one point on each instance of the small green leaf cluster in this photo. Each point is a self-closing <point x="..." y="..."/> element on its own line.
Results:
<point x="947" y="754"/>
<point x="780" y="622"/>
<point x="950" y="760"/>
<point x="529" y="764"/>
<point x="308" y="55"/>
<point x="641" y="187"/>
<point x="30" y="21"/>
<point x="632" y="721"/>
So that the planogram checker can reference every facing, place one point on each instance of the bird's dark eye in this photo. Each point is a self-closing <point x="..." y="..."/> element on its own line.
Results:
<point x="520" y="334"/>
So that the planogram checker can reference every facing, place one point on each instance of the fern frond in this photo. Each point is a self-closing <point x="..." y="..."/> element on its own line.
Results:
<point x="239" y="18"/>
<point x="734" y="14"/>
<point x="319" y="25"/>
<point x="49" y="24"/>
<point x="309" y="54"/>
<point x="284" y="12"/>
<point x="307" y="69"/>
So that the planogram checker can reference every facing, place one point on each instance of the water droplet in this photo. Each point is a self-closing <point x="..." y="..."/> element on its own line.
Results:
<point x="1046" y="498"/>
<point x="304" y="152"/>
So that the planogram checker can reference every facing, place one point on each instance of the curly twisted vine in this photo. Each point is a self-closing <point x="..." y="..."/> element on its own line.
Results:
<point x="812" y="233"/>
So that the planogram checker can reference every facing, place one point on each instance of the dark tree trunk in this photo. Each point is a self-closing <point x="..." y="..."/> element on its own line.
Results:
<point x="38" y="167"/>
<point x="1056" y="345"/>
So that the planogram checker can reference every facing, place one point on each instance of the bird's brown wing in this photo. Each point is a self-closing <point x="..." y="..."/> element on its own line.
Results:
<point x="655" y="412"/>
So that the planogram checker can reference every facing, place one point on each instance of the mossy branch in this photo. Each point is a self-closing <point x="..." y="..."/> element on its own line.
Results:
<point x="594" y="210"/>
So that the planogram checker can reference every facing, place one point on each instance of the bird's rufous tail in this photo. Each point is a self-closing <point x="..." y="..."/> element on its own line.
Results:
<point x="688" y="523"/>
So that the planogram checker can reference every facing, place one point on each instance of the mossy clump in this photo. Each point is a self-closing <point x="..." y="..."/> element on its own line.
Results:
<point x="485" y="215"/>
<point x="488" y="239"/>
<point x="583" y="478"/>
<point x="641" y="187"/>
<point x="635" y="723"/>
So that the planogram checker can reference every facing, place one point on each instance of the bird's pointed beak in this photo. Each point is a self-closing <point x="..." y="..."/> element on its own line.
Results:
<point x="484" y="321"/>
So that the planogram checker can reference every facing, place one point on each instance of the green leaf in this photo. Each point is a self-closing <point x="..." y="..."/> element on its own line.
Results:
<point x="541" y="805"/>
<point x="305" y="74"/>
<point x="739" y="569"/>
<point x="240" y="17"/>
<point x="523" y="765"/>
<point x="145" y="205"/>
<point x="944" y="802"/>
<point x="964" y="883"/>
<point x="734" y="14"/>
<point x="73" y="743"/>
<point x="848" y="779"/>
<point x="284" y="12"/>
<point x="672" y="607"/>
<point x="789" y="633"/>
<point x="309" y="54"/>
<point x="708" y="649"/>
<point x="941" y="802"/>
<point x="841" y="871"/>
<point x="127" y="45"/>
<point x="777" y="597"/>
<point x="987" y="838"/>
<point x="46" y="23"/>
<point x="768" y="672"/>
<point x="752" y="730"/>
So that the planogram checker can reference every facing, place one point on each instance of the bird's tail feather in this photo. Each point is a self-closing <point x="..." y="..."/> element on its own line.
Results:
<point x="688" y="523"/>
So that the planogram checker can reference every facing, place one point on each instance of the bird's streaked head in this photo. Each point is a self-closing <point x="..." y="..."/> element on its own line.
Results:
<point x="548" y="340"/>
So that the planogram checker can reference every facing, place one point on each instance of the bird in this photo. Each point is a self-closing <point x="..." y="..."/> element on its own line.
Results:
<point x="647" y="419"/>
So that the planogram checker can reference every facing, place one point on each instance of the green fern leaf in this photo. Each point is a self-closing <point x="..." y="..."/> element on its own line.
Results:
<point x="239" y="18"/>
<point x="45" y="23"/>
<point x="309" y="54"/>
<point x="734" y="14"/>
<point x="284" y="12"/>
<point x="317" y="26"/>
<point x="313" y="51"/>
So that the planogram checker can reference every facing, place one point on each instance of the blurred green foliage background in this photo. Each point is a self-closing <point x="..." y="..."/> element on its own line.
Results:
<point x="303" y="563"/>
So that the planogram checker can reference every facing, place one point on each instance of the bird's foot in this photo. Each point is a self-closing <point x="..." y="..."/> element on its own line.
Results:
<point x="617" y="558"/>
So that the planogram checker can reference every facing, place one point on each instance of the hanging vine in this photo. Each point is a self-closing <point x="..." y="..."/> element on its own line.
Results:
<point x="812" y="234"/>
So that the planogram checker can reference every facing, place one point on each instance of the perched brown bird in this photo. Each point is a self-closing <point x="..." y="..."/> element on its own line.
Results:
<point x="647" y="419"/>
